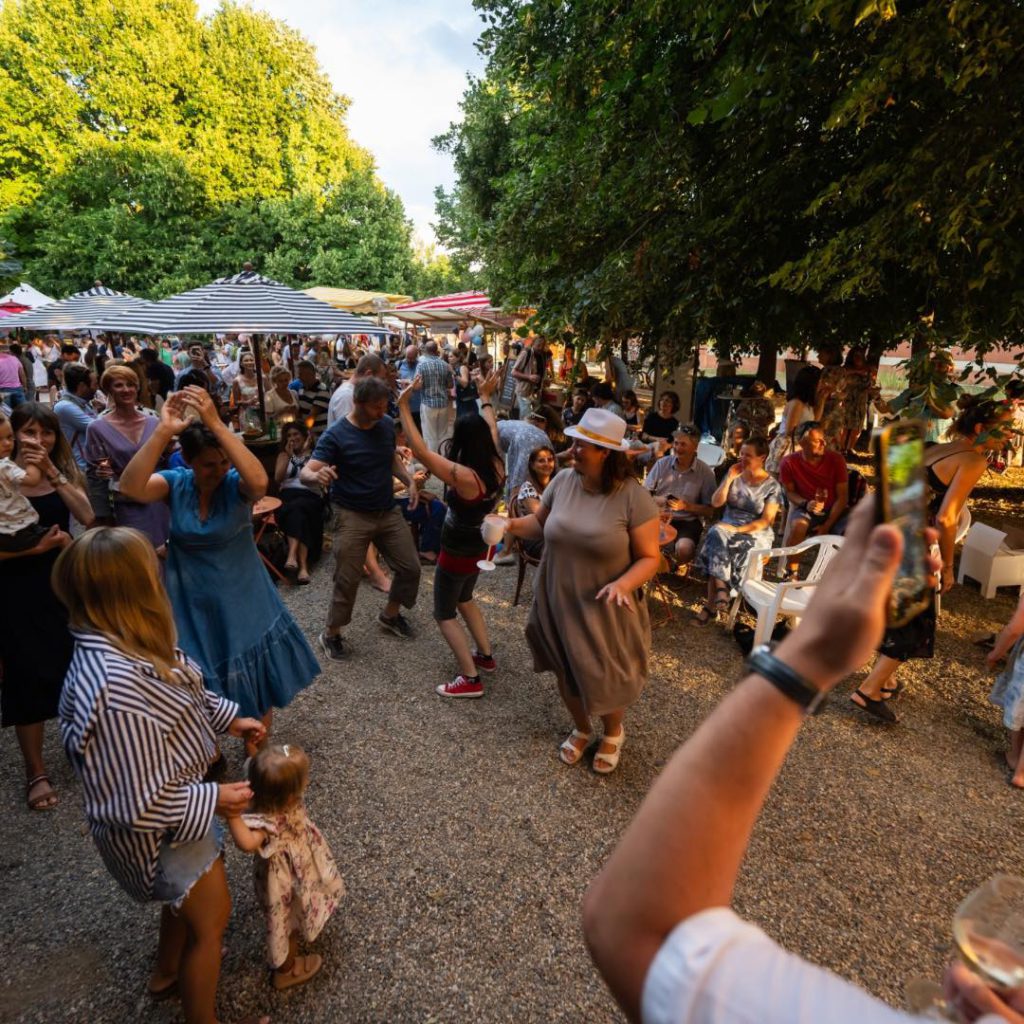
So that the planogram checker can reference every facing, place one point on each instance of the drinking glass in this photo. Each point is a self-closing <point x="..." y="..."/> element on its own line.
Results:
<point x="988" y="929"/>
<point x="492" y="529"/>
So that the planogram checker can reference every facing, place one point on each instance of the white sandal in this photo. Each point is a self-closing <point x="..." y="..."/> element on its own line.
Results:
<point x="612" y="759"/>
<point x="568" y="752"/>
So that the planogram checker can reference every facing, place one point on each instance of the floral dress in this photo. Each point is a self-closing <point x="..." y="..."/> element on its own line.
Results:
<point x="723" y="554"/>
<point x="297" y="881"/>
<point x="835" y="382"/>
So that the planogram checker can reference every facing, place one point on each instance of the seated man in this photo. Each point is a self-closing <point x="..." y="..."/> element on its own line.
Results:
<point x="817" y="488"/>
<point x="683" y="485"/>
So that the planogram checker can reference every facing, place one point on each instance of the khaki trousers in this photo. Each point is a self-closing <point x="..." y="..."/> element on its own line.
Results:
<point x="391" y="535"/>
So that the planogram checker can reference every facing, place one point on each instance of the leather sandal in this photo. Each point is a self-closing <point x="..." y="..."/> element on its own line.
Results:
<point x="610" y="761"/>
<point x="47" y="800"/>
<point x="568" y="752"/>
<point x="303" y="968"/>
<point x="876" y="708"/>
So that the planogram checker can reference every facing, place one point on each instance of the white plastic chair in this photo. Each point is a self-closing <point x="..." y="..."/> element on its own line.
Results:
<point x="710" y="454"/>
<point x="770" y="600"/>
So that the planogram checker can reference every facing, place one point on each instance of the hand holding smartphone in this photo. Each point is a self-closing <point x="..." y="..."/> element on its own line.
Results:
<point x="903" y="501"/>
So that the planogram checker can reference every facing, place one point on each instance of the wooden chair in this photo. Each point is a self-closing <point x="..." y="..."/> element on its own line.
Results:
<point x="524" y="559"/>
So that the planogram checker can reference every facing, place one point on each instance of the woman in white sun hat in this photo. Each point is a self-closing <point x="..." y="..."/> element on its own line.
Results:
<point x="589" y="623"/>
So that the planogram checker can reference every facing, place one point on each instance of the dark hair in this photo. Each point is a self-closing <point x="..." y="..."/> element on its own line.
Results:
<point x="194" y="378"/>
<point x="857" y="350"/>
<point x="603" y="390"/>
<point x="369" y="389"/>
<point x="805" y="385"/>
<point x="1015" y="389"/>
<point x="369" y="364"/>
<point x="631" y="395"/>
<point x="61" y="457"/>
<point x="804" y="428"/>
<point x="975" y="412"/>
<point x="287" y="428"/>
<point x="672" y="397"/>
<point x="472" y="445"/>
<point x="533" y="458"/>
<point x="614" y="469"/>
<point x="194" y="440"/>
<point x="14" y="348"/>
<point x="148" y="355"/>
<point x="758" y="443"/>
<point x="305" y="364"/>
<point x="74" y="375"/>
<point x="68" y="349"/>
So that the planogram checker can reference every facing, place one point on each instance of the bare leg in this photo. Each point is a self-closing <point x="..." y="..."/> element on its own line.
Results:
<point x="884" y="669"/>
<point x="303" y="555"/>
<point x="1016" y="747"/>
<point x="455" y="635"/>
<point x="474" y="619"/>
<point x="580" y="718"/>
<point x="1018" y="773"/>
<point x="612" y="727"/>
<point x="168" y="951"/>
<point x="205" y="911"/>
<point x="30" y="739"/>
<point x="795" y="533"/>
<point x="292" y="558"/>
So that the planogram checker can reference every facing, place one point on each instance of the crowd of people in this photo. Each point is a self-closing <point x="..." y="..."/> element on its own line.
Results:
<point x="157" y="636"/>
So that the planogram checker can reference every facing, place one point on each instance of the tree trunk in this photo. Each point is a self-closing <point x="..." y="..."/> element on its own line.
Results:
<point x="767" y="361"/>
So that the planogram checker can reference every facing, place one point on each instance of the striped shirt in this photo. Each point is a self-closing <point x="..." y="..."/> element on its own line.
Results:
<point x="141" y="747"/>
<point x="313" y="402"/>
<point x="437" y="382"/>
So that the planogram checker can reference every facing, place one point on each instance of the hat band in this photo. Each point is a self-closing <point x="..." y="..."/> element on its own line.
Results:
<point x="603" y="438"/>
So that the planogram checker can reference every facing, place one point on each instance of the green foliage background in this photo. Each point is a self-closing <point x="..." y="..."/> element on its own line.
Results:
<point x="754" y="172"/>
<point x="156" y="150"/>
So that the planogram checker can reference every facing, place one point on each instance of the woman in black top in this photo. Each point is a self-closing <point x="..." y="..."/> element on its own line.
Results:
<point x="663" y="423"/>
<point x="475" y="474"/>
<point x="953" y="470"/>
<point x="301" y="517"/>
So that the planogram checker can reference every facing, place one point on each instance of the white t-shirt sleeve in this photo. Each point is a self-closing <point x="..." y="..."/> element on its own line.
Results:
<point x="715" y="968"/>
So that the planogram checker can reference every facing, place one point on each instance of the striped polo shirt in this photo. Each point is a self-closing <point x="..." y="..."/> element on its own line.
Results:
<point x="141" y="747"/>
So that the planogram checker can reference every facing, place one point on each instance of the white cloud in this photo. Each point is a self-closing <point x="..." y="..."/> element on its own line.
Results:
<point x="404" y="66"/>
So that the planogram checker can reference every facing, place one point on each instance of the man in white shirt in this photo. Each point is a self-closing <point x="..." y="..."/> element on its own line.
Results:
<point x="657" y="918"/>
<point x="342" y="400"/>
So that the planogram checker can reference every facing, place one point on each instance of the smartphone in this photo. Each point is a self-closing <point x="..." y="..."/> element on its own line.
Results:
<point x="903" y="501"/>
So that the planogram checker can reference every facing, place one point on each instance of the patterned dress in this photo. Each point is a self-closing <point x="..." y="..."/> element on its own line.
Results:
<point x="1008" y="692"/>
<point x="297" y="882"/>
<point x="723" y="554"/>
<point x="835" y="381"/>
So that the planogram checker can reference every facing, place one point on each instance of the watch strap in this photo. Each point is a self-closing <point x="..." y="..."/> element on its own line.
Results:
<point x="785" y="679"/>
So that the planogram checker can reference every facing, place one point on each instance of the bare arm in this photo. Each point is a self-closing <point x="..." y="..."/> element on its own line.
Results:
<point x="281" y="467"/>
<point x="643" y="543"/>
<point x="528" y="527"/>
<point x="838" y="507"/>
<point x="683" y="850"/>
<point x="486" y="389"/>
<point x="960" y="487"/>
<point x="721" y="495"/>
<point x="247" y="839"/>
<point x="764" y="522"/>
<point x="1010" y="634"/>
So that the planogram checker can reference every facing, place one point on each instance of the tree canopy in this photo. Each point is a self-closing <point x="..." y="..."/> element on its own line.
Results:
<point x="760" y="173"/>
<point x="156" y="150"/>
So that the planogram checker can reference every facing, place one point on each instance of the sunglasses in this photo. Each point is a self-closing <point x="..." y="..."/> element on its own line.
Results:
<point x="689" y="431"/>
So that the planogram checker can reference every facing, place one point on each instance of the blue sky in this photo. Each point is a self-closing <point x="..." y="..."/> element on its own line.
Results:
<point x="403" y="65"/>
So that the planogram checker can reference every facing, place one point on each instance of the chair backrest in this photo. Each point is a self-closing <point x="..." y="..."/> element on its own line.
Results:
<point x="828" y="548"/>
<point x="710" y="454"/>
<point x="985" y="539"/>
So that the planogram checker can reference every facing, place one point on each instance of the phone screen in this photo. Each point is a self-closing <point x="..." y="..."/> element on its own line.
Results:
<point x="904" y="494"/>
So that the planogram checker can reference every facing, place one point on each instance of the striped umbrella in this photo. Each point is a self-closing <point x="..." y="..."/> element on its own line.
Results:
<point x="83" y="311"/>
<point x="247" y="302"/>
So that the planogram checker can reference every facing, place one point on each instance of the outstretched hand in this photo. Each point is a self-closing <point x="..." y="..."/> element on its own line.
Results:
<point x="199" y="399"/>
<point x="616" y="594"/>
<point x="846" y="617"/>
<point x="488" y="385"/>
<point x="405" y="396"/>
<point x="173" y="413"/>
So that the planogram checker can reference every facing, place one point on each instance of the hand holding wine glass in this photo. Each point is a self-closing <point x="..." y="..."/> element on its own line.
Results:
<point x="492" y="529"/>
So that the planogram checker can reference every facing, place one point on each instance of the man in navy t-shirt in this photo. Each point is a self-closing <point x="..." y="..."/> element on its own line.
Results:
<point x="356" y="458"/>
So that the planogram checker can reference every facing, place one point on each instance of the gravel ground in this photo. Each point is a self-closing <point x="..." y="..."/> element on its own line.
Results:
<point x="466" y="846"/>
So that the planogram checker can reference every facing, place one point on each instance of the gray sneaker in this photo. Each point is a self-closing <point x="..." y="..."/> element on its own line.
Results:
<point x="333" y="646"/>
<point x="399" y="625"/>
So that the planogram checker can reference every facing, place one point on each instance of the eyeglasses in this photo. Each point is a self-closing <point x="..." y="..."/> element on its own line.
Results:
<point x="689" y="431"/>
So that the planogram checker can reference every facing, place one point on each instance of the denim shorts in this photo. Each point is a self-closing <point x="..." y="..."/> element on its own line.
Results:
<point x="181" y="865"/>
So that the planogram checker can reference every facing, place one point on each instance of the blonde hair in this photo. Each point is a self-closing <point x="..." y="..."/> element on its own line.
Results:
<point x="109" y="582"/>
<point x="278" y="775"/>
<point x="118" y="372"/>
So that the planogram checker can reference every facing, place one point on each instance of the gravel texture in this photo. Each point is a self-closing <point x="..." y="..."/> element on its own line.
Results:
<point x="466" y="846"/>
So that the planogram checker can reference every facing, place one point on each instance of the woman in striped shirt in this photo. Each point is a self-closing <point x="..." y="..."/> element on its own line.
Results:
<point x="140" y="731"/>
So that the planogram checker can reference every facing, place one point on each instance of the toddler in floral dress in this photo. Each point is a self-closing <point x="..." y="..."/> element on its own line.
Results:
<point x="297" y="882"/>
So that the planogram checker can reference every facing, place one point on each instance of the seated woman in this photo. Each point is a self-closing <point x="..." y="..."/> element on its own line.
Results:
<point x="661" y="425"/>
<point x="735" y="437"/>
<point x="539" y="471"/>
<point x="280" y="400"/>
<point x="751" y="497"/>
<point x="301" y="518"/>
<point x="631" y="411"/>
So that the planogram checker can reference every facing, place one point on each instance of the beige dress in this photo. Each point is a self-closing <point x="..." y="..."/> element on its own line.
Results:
<point x="599" y="651"/>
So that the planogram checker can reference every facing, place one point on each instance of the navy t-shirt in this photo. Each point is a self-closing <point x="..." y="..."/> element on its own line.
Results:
<point x="363" y="459"/>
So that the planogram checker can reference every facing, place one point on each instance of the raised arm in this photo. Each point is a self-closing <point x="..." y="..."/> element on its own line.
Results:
<point x="249" y="840"/>
<point x="486" y="389"/>
<point x="682" y="852"/>
<point x="721" y="495"/>
<point x="139" y="482"/>
<point x="960" y="487"/>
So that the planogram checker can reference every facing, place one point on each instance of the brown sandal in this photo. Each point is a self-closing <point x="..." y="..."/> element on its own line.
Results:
<point x="303" y="968"/>
<point x="45" y="801"/>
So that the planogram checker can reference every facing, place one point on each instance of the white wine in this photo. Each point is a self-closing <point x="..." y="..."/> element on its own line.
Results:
<point x="999" y="962"/>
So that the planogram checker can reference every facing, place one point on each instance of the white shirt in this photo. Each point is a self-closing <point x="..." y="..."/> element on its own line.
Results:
<point x="341" y="403"/>
<point x="16" y="511"/>
<point x="716" y="968"/>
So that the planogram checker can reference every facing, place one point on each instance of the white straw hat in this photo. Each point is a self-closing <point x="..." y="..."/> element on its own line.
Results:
<point x="600" y="427"/>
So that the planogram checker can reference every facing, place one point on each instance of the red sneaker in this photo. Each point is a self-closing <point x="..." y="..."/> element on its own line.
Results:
<point x="461" y="686"/>
<point x="485" y="662"/>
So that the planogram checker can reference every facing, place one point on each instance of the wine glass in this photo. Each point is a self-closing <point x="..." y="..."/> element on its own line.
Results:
<point x="988" y="929"/>
<point x="492" y="529"/>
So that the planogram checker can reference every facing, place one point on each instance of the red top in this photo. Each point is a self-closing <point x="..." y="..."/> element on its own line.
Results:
<point x="799" y="475"/>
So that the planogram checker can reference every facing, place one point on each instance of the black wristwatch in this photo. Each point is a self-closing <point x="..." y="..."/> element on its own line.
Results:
<point x="763" y="663"/>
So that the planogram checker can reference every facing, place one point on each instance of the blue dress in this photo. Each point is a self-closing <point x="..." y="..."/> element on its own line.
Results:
<point x="1008" y="692"/>
<point x="724" y="554"/>
<point x="229" y="616"/>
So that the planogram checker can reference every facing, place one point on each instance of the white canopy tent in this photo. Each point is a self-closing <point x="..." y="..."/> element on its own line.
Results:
<point x="26" y="295"/>
<point x="83" y="311"/>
